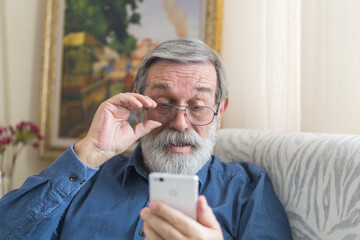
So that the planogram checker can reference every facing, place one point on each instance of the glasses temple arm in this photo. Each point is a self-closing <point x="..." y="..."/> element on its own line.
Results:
<point x="217" y="110"/>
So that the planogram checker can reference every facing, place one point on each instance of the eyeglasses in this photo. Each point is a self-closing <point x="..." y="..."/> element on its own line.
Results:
<point x="197" y="115"/>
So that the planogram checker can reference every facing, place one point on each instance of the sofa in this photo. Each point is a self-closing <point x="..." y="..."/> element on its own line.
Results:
<point x="316" y="177"/>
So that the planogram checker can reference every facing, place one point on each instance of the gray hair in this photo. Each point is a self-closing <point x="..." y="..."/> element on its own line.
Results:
<point x="184" y="51"/>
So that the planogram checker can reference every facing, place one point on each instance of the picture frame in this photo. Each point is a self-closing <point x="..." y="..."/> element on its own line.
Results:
<point x="54" y="70"/>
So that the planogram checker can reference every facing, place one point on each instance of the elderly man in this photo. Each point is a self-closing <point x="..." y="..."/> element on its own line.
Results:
<point x="93" y="191"/>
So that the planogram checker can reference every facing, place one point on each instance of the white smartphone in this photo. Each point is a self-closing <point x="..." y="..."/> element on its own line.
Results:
<point x="177" y="191"/>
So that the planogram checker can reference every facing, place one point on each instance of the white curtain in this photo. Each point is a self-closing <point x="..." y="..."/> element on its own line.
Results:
<point x="261" y="47"/>
<point x="281" y="75"/>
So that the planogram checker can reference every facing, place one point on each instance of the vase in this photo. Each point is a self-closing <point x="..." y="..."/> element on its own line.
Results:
<point x="4" y="184"/>
<point x="6" y="170"/>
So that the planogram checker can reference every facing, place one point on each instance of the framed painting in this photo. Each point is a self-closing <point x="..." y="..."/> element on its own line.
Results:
<point x="92" y="50"/>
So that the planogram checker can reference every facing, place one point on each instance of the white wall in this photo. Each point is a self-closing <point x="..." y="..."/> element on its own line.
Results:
<point x="330" y="69"/>
<point x="261" y="47"/>
<point x="331" y="66"/>
<point x="241" y="51"/>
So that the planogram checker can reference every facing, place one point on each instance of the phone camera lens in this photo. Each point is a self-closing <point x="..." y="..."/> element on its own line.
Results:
<point x="161" y="179"/>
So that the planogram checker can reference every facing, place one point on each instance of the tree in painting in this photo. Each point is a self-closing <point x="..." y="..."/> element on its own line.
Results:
<point x="106" y="20"/>
<point x="97" y="58"/>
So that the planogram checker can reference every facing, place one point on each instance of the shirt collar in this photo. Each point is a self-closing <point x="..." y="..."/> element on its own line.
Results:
<point x="203" y="173"/>
<point x="136" y="160"/>
<point x="135" y="163"/>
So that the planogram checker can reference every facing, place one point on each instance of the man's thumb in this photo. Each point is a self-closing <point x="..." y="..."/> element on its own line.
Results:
<point x="145" y="127"/>
<point x="205" y="214"/>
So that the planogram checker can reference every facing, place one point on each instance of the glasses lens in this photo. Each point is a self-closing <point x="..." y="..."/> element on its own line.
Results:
<point x="196" y="115"/>
<point x="162" y="113"/>
<point x="199" y="115"/>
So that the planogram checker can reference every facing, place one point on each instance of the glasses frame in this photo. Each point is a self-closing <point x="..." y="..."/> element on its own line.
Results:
<point x="178" y="109"/>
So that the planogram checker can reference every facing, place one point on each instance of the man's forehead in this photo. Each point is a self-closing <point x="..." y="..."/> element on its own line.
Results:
<point x="165" y="75"/>
<point x="167" y="86"/>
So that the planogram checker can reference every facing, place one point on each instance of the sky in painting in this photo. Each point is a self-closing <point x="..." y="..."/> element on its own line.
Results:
<point x="156" y="23"/>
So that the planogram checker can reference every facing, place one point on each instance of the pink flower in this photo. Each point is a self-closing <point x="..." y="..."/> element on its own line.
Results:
<point x="5" y="140"/>
<point x="40" y="137"/>
<point x="34" y="127"/>
<point x="26" y="132"/>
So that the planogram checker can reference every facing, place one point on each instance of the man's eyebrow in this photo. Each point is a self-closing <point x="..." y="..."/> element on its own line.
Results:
<point x="164" y="86"/>
<point x="203" y="89"/>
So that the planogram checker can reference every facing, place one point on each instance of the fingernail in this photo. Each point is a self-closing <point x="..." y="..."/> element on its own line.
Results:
<point x="153" y="205"/>
<point x="142" y="213"/>
<point x="152" y="102"/>
<point x="203" y="201"/>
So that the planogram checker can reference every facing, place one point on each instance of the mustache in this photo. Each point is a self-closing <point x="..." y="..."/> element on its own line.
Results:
<point x="173" y="137"/>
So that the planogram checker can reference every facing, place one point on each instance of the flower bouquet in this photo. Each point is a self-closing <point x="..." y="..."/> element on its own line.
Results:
<point x="12" y="141"/>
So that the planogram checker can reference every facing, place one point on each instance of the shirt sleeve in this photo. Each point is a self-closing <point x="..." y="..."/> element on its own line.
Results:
<point x="41" y="201"/>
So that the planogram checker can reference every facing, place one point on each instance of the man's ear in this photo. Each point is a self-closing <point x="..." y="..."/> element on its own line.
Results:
<point x="223" y="106"/>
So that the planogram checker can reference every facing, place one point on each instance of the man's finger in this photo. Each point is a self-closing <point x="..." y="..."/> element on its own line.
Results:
<point x="132" y="100"/>
<point x="145" y="100"/>
<point x="179" y="220"/>
<point x="150" y="233"/>
<point x="158" y="226"/>
<point x="205" y="214"/>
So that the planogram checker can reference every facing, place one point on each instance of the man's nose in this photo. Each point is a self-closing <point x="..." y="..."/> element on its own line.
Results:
<point x="180" y="122"/>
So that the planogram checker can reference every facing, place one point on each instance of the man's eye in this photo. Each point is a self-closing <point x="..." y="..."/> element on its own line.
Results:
<point x="163" y="106"/>
<point x="196" y="108"/>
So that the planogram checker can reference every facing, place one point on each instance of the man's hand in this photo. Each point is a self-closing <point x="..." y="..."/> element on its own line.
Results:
<point x="164" y="222"/>
<point x="110" y="132"/>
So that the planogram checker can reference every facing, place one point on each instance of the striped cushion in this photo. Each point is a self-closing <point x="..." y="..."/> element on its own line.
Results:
<point x="315" y="176"/>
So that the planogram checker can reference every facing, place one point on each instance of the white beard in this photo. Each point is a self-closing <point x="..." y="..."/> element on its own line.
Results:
<point x="158" y="159"/>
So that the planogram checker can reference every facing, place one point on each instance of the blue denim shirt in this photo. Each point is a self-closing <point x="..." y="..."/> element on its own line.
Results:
<point x="69" y="200"/>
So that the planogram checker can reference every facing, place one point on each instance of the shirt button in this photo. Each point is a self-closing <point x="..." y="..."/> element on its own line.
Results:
<point x="73" y="178"/>
<point x="141" y="233"/>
